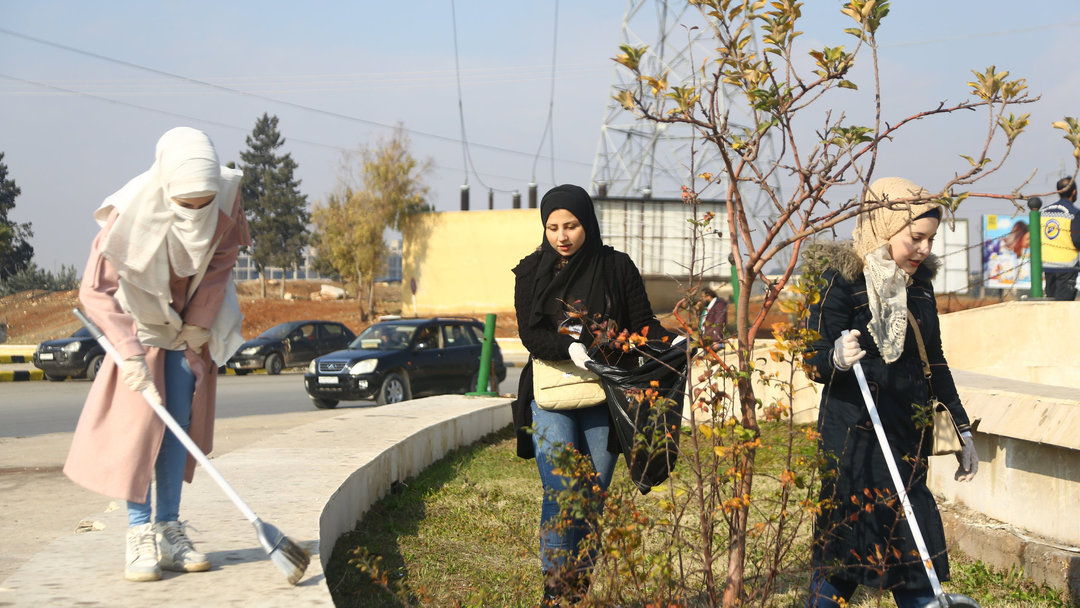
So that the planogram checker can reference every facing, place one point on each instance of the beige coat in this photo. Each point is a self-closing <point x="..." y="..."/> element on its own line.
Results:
<point x="118" y="436"/>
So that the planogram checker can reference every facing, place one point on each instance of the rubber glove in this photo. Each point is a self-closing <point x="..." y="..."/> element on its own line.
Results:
<point x="846" y="350"/>
<point x="136" y="375"/>
<point x="968" y="460"/>
<point x="194" y="336"/>
<point x="579" y="355"/>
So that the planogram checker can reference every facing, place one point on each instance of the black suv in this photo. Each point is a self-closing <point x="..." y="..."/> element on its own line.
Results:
<point x="78" y="356"/>
<point x="291" y="344"/>
<point x="397" y="360"/>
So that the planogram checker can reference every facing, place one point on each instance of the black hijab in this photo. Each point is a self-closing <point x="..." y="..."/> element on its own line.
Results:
<point x="582" y="283"/>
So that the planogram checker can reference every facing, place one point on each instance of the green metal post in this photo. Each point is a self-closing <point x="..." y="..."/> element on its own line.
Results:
<point x="483" y="378"/>
<point x="734" y="281"/>
<point x="1035" y="231"/>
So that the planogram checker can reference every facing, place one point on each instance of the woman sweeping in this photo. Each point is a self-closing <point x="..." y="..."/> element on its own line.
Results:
<point x="156" y="284"/>
<point x="871" y="287"/>
<point x="572" y="274"/>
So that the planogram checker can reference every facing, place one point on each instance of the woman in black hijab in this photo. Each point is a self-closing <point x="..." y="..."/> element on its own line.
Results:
<point x="570" y="277"/>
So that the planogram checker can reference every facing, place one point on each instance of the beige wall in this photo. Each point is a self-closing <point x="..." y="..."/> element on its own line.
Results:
<point x="462" y="260"/>
<point x="1029" y="341"/>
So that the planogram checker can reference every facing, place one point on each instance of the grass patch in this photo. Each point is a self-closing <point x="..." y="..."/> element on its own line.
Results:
<point x="464" y="533"/>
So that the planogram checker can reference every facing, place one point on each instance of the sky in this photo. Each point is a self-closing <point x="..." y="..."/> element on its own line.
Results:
<point x="86" y="89"/>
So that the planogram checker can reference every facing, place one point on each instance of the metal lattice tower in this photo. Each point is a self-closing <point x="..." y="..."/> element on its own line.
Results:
<point x="638" y="157"/>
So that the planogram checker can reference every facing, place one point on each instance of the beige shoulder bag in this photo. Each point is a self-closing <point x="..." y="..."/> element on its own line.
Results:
<point x="561" y="385"/>
<point x="946" y="436"/>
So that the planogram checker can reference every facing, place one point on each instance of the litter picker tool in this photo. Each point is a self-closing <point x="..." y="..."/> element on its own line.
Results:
<point x="941" y="599"/>
<point x="290" y="557"/>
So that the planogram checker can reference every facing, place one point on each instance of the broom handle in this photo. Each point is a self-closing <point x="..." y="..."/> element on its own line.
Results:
<point x="171" y="422"/>
<point x="879" y="430"/>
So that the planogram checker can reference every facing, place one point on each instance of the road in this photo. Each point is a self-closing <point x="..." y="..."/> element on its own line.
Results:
<point x="28" y="409"/>
<point x="39" y="504"/>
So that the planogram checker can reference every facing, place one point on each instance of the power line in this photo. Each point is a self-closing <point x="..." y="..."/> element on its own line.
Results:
<point x="189" y="117"/>
<point x="265" y="98"/>
<point x="549" y="127"/>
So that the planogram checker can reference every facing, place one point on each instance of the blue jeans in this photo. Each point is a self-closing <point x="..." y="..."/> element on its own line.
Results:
<point x="587" y="430"/>
<point x="822" y="592"/>
<point x="172" y="457"/>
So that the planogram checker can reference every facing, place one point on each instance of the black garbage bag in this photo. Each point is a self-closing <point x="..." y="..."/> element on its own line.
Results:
<point x="647" y="429"/>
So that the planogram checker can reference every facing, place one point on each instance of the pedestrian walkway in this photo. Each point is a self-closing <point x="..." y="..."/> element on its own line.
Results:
<point x="312" y="482"/>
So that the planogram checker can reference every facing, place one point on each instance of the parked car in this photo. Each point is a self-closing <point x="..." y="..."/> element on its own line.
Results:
<point x="292" y="344"/>
<point x="397" y="360"/>
<point x="77" y="356"/>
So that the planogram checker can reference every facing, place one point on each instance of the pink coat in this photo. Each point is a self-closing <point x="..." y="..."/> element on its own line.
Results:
<point x="118" y="436"/>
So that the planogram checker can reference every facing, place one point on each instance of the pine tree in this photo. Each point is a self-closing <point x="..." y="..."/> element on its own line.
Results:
<point x="276" y="210"/>
<point x="16" y="252"/>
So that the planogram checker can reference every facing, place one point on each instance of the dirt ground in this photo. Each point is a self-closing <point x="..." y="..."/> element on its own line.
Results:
<point x="33" y="316"/>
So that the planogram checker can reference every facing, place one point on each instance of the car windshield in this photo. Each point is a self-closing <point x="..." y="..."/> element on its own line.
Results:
<point x="277" y="332"/>
<point x="82" y="333"/>
<point x="384" y="336"/>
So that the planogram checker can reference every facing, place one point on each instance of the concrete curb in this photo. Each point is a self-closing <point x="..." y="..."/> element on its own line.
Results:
<point x="17" y="358"/>
<point x="1005" y="547"/>
<point x="21" y="375"/>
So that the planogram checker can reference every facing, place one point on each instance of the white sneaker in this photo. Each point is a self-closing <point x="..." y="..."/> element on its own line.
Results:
<point x="142" y="560"/>
<point x="177" y="552"/>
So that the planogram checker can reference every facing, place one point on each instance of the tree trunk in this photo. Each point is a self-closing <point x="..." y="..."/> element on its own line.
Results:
<point x="371" y="296"/>
<point x="282" y="282"/>
<point x="262" y="282"/>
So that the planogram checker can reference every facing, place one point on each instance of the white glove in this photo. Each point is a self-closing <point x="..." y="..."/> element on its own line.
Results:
<point x="579" y="355"/>
<point x="194" y="336"/>
<point x="136" y="375"/>
<point x="846" y="350"/>
<point x="968" y="460"/>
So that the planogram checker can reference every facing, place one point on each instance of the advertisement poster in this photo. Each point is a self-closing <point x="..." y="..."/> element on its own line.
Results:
<point x="1006" y="256"/>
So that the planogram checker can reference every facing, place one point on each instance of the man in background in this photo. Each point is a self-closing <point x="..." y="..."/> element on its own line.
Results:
<point x="713" y="317"/>
<point x="1061" y="242"/>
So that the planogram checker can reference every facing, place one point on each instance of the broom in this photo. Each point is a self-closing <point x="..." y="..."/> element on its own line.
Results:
<point x="288" y="556"/>
<point x="941" y="599"/>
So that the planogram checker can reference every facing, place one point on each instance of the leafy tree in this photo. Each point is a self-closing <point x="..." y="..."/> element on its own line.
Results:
<point x="15" y="249"/>
<point x="276" y="210"/>
<point x="32" y="277"/>
<point x="735" y="523"/>
<point x="382" y="191"/>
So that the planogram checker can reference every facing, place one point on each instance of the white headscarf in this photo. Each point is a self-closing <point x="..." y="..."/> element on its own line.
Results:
<point x="151" y="231"/>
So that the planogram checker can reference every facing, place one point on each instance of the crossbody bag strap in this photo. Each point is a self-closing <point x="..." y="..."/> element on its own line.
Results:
<point x="922" y="347"/>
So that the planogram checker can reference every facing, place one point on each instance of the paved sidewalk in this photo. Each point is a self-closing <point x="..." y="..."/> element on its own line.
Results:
<point x="286" y="478"/>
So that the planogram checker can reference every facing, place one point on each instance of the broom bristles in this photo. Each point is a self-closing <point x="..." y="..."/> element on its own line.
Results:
<point x="289" y="557"/>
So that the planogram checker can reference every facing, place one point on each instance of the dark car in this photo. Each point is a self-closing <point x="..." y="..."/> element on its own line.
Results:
<point x="291" y="344"/>
<point x="397" y="360"/>
<point x="78" y="356"/>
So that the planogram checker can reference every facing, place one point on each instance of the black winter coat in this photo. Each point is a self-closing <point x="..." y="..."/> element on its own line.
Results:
<point x="623" y="281"/>
<point x="861" y="535"/>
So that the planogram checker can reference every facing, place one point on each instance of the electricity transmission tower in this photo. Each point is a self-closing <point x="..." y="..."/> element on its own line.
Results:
<point x="641" y="158"/>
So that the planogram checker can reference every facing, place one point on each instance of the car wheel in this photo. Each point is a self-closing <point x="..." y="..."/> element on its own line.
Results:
<point x="95" y="365"/>
<point x="274" y="364"/>
<point x="394" y="389"/>
<point x="324" y="404"/>
<point x="52" y="378"/>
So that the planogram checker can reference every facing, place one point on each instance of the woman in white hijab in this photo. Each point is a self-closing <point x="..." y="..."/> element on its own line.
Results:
<point x="158" y="283"/>
<point x="872" y="286"/>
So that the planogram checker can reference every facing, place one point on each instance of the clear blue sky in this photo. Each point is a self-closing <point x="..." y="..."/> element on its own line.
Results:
<point x="338" y="75"/>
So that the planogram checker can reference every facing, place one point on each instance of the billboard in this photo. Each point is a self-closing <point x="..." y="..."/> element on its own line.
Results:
<point x="1006" y="252"/>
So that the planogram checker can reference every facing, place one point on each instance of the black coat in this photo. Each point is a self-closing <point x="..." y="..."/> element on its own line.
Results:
<point x="859" y="523"/>
<point x="544" y="341"/>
